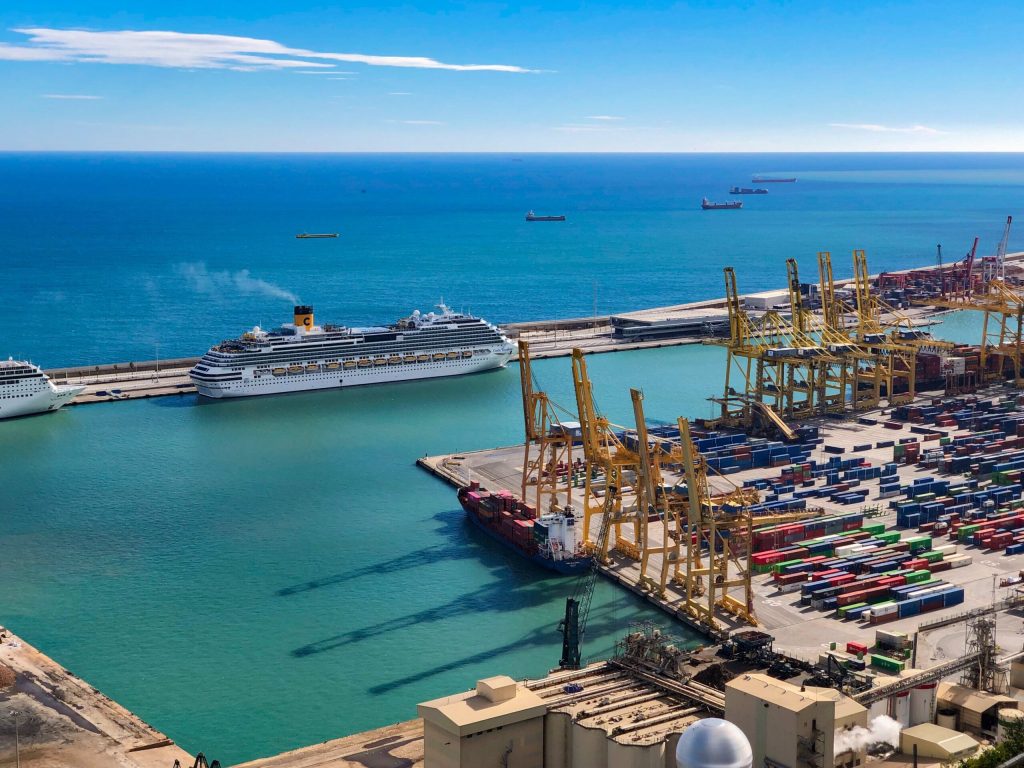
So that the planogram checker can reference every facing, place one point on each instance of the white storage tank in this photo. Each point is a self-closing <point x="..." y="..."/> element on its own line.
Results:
<point x="901" y="708"/>
<point x="922" y="703"/>
<point x="713" y="743"/>
<point x="946" y="718"/>
<point x="1006" y="718"/>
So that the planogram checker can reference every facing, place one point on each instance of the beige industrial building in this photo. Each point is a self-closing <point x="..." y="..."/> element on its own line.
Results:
<point x="500" y="717"/>
<point x="792" y="725"/>
<point x="974" y="711"/>
<point x="935" y="741"/>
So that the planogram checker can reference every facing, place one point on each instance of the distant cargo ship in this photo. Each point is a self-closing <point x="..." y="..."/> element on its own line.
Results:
<point x="25" y="390"/>
<point x="315" y="235"/>
<point x="553" y="541"/>
<point x="731" y="205"/>
<point x="531" y="216"/>
<point x="747" y="191"/>
<point x="762" y="180"/>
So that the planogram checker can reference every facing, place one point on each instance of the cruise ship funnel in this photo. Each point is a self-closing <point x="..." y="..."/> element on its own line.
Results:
<point x="304" y="317"/>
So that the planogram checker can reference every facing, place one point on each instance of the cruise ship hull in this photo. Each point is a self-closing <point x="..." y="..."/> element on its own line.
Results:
<point x="48" y="399"/>
<point x="339" y="378"/>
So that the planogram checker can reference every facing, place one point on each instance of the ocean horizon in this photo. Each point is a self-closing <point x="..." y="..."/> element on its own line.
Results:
<point x="133" y="256"/>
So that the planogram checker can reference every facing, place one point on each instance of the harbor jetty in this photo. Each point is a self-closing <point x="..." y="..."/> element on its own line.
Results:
<point x="670" y="326"/>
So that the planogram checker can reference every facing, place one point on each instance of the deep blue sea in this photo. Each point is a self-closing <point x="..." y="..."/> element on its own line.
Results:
<point x="257" y="575"/>
<point x="110" y="257"/>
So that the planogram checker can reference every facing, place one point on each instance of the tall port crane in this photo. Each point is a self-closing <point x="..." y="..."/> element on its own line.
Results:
<point x="611" y="468"/>
<point x="548" y="447"/>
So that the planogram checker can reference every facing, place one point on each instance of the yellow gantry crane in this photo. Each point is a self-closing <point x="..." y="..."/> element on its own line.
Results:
<point x="548" y="445"/>
<point x="1002" y="308"/>
<point x="774" y="369"/>
<point x="712" y="524"/>
<point x="611" y="471"/>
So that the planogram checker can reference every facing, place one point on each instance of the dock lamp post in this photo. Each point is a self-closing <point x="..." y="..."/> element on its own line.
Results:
<point x="17" y="739"/>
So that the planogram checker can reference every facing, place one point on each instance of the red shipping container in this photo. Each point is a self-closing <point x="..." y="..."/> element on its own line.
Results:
<point x="856" y="648"/>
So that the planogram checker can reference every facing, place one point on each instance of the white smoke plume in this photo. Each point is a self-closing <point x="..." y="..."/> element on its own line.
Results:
<point x="202" y="280"/>
<point x="881" y="730"/>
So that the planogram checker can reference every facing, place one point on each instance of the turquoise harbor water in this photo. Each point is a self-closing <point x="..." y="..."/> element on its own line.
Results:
<point x="257" y="575"/>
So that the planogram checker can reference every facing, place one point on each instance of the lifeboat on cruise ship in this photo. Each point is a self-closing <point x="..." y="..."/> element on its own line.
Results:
<point x="333" y="366"/>
<point x="467" y="353"/>
<point x="278" y="371"/>
<point x="423" y="358"/>
<point x="439" y="355"/>
<point x="294" y="369"/>
<point x="380" y="361"/>
<point x="453" y="355"/>
<point x="409" y="359"/>
<point x="312" y="368"/>
<point x="364" y="363"/>
<point x="394" y="360"/>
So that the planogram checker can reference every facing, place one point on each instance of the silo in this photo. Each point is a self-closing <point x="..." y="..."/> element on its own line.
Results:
<point x="1006" y="718"/>
<point x="946" y="718"/>
<point x="922" y="703"/>
<point x="713" y="743"/>
<point x="901" y="708"/>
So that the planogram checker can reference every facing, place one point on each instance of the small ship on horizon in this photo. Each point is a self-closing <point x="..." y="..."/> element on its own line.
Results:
<point x="731" y="205"/>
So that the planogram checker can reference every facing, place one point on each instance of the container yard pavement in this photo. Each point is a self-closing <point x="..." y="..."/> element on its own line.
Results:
<point x="799" y="629"/>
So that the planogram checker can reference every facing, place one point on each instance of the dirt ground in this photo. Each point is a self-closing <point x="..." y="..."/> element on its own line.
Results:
<point x="53" y="719"/>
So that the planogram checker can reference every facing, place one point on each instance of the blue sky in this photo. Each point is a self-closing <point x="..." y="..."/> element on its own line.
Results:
<point x="478" y="76"/>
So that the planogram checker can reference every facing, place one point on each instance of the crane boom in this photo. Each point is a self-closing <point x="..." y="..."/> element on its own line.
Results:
<point x="1001" y="250"/>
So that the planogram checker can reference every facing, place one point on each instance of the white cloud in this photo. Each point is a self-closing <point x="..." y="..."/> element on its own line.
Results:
<point x="200" y="51"/>
<point x="876" y="128"/>
<point x="585" y="128"/>
<point x="322" y="72"/>
<point x="400" y="93"/>
<point x="71" y="96"/>
<point x="603" y="117"/>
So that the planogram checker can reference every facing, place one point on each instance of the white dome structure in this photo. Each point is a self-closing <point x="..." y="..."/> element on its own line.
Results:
<point x="713" y="743"/>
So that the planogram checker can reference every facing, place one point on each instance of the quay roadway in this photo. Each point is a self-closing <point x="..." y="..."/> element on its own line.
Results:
<point x="798" y="630"/>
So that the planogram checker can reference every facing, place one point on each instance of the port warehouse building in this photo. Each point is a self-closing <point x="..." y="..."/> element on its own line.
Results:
<point x="608" y="716"/>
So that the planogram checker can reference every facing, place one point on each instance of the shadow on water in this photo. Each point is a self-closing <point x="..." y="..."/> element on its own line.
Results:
<point x="602" y="622"/>
<point x="470" y="543"/>
<point x="417" y="559"/>
<point x="496" y="597"/>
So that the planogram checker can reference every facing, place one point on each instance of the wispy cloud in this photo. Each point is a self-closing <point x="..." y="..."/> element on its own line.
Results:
<point x="876" y="128"/>
<point x="184" y="50"/>
<point x="586" y="128"/>
<point x="603" y="117"/>
<point x="71" y="96"/>
<point x="400" y="93"/>
<point x="321" y="72"/>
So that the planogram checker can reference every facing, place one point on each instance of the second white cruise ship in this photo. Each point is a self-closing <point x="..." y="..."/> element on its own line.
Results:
<point x="303" y="355"/>
<point x="25" y="390"/>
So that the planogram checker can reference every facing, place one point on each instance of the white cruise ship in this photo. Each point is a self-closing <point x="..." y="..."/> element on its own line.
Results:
<point x="25" y="389"/>
<point x="303" y="355"/>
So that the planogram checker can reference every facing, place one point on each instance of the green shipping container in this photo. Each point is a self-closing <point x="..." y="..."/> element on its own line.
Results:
<point x="889" y="538"/>
<point x="915" y="577"/>
<point x="886" y="663"/>
<point x="845" y="608"/>
<point x="874" y="528"/>
<point x="932" y="557"/>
